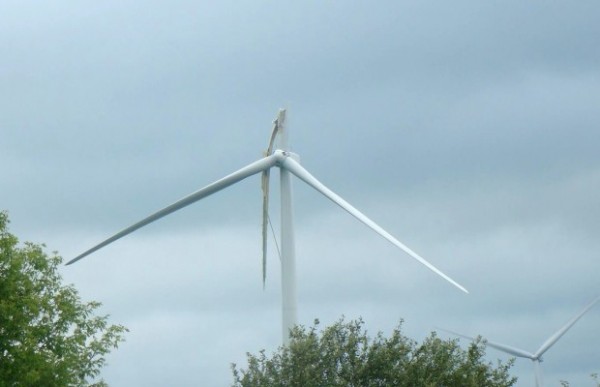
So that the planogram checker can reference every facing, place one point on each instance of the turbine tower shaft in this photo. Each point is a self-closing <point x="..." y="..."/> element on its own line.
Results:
<point x="288" y="244"/>
<point x="288" y="256"/>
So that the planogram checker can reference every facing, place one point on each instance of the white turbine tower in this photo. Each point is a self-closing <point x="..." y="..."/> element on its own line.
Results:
<point x="536" y="357"/>
<point x="288" y="164"/>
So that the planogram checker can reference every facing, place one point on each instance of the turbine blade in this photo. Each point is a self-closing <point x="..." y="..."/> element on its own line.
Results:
<point x="554" y="338"/>
<point x="309" y="179"/>
<point x="277" y="122"/>
<point x="265" y="220"/>
<point x="501" y="347"/>
<point x="456" y="334"/>
<point x="510" y="350"/>
<point x="265" y="189"/>
<point x="249" y="170"/>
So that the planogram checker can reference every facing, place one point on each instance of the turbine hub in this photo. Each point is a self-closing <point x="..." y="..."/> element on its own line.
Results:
<point x="281" y="155"/>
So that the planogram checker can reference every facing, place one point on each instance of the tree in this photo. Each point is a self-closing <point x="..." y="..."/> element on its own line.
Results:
<point x="343" y="355"/>
<point x="48" y="336"/>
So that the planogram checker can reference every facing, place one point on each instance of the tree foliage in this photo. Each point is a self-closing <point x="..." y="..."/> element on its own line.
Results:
<point x="48" y="336"/>
<point x="343" y="355"/>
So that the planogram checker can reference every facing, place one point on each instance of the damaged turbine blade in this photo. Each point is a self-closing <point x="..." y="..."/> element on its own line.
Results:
<point x="265" y="190"/>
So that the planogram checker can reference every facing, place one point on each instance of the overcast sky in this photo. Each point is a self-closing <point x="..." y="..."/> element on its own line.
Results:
<point x="469" y="130"/>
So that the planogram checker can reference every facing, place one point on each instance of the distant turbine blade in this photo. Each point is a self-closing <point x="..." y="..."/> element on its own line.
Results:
<point x="550" y="342"/>
<point x="456" y="333"/>
<point x="249" y="170"/>
<point x="510" y="350"/>
<point x="501" y="347"/>
<point x="309" y="179"/>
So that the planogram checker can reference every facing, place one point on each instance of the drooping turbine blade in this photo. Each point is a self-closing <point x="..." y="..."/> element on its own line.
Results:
<point x="501" y="347"/>
<point x="554" y="338"/>
<point x="265" y="222"/>
<point x="249" y="170"/>
<point x="295" y="168"/>
<point x="277" y="123"/>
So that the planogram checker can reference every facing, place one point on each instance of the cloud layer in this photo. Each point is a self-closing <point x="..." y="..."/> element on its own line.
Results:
<point x="467" y="130"/>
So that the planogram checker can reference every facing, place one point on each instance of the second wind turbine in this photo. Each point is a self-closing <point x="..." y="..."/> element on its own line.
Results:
<point x="288" y="164"/>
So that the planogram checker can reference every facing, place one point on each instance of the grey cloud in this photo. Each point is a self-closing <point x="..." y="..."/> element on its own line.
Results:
<point x="468" y="130"/>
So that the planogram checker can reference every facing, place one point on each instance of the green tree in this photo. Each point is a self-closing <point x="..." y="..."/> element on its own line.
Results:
<point x="343" y="355"/>
<point x="48" y="336"/>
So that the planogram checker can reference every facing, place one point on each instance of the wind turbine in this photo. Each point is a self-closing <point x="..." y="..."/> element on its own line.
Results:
<point x="536" y="357"/>
<point x="288" y="164"/>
